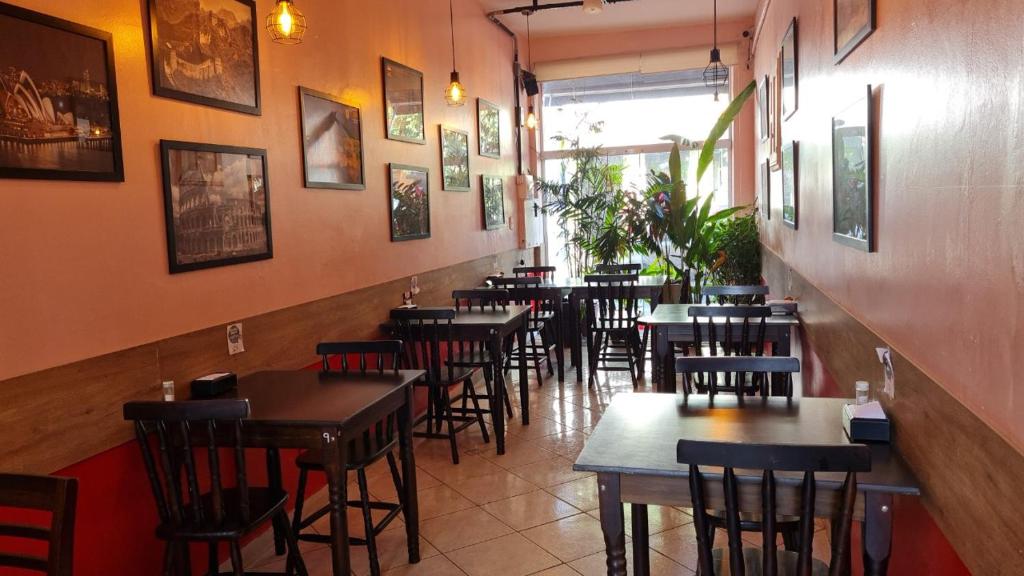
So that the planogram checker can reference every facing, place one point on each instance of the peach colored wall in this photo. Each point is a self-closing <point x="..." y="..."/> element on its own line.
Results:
<point x="549" y="48"/>
<point x="83" y="266"/>
<point x="946" y="286"/>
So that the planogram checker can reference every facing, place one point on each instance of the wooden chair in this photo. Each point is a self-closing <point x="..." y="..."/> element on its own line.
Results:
<point x="545" y="273"/>
<point x="748" y="295"/>
<point x="618" y="268"/>
<point x="769" y="458"/>
<point x="713" y="369"/>
<point x="376" y="356"/>
<point x="58" y="496"/>
<point x="186" y="513"/>
<point x="741" y="334"/>
<point x="544" y="320"/>
<point x="475" y="355"/>
<point x="611" y="316"/>
<point x="513" y="281"/>
<point x="429" y="345"/>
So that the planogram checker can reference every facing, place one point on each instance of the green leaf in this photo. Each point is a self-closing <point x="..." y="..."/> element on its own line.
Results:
<point x="707" y="154"/>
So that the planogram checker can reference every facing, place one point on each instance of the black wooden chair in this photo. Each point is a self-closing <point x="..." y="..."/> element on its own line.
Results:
<point x="513" y="281"/>
<point x="58" y="496"/>
<point x="748" y="295"/>
<point x="613" y="336"/>
<point x="429" y="344"/>
<point x="727" y="331"/>
<point x="544" y="320"/>
<point x="376" y="356"/>
<point x="711" y="370"/>
<point x="618" y="268"/>
<point x="545" y="273"/>
<point x="222" y="514"/>
<point x="475" y="355"/>
<point x="769" y="458"/>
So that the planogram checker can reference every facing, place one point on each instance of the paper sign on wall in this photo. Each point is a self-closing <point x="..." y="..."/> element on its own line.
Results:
<point x="885" y="358"/>
<point x="235" y="343"/>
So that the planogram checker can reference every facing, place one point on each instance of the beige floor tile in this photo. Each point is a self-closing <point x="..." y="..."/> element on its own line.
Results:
<point x="596" y="565"/>
<point x="538" y="426"/>
<point x="469" y="466"/>
<point x="529" y="510"/>
<point x="659" y="518"/>
<point x="484" y="489"/>
<point x="567" y="445"/>
<point x="580" y="493"/>
<point x="550" y="472"/>
<point x="679" y="544"/>
<point x="355" y="521"/>
<point x="569" y="538"/>
<point x="511" y="555"/>
<point x="518" y="454"/>
<point x="441" y="500"/>
<point x="462" y="528"/>
<point x="392" y="552"/>
<point x="424" y="481"/>
<point x="560" y="570"/>
<point x="436" y="566"/>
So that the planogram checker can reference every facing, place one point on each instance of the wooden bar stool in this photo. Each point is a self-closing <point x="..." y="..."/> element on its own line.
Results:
<point x="58" y="496"/>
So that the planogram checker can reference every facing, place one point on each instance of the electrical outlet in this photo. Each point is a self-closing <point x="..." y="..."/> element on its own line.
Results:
<point x="888" y="374"/>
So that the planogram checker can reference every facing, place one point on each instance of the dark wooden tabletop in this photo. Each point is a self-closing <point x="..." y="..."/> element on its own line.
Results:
<point x="486" y="318"/>
<point x="638" y="433"/>
<point x="311" y="398"/>
<point x="679" y="314"/>
<point x="577" y="282"/>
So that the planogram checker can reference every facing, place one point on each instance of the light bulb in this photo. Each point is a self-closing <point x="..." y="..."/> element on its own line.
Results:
<point x="455" y="94"/>
<point x="286" y="23"/>
<point x="531" y="119"/>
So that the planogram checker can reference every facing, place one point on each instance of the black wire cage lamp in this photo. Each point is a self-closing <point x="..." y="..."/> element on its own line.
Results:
<point x="455" y="93"/>
<point x="716" y="75"/>
<point x="285" y="23"/>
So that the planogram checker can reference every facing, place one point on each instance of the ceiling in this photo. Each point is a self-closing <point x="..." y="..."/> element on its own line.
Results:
<point x="621" y="15"/>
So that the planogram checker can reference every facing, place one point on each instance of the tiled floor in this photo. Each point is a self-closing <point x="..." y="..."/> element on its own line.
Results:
<point x="526" y="512"/>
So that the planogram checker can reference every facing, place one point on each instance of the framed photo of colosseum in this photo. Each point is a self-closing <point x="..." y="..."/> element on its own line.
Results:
<point x="205" y="52"/>
<point x="216" y="205"/>
<point x="58" y="100"/>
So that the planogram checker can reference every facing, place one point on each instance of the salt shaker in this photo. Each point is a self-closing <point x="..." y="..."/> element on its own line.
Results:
<point x="863" y="392"/>
<point x="168" y="391"/>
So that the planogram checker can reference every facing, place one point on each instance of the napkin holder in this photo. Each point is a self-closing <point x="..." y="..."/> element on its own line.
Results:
<point x="213" y="385"/>
<point x="866" y="423"/>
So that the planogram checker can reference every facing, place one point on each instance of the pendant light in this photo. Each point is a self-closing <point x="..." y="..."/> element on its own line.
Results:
<point x="716" y="75"/>
<point x="286" y="23"/>
<point x="531" y="117"/>
<point x="593" y="6"/>
<point x="455" y="93"/>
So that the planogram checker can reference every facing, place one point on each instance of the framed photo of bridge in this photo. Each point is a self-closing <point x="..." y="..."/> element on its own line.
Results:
<point x="58" y="100"/>
<point x="205" y="52"/>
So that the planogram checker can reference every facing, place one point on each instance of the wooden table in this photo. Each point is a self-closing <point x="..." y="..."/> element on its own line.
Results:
<point x="308" y="410"/>
<point x="672" y="323"/>
<point x="493" y="327"/>
<point x="648" y="288"/>
<point x="633" y="452"/>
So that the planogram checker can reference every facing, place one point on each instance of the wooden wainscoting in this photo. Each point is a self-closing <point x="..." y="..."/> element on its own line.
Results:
<point x="59" y="416"/>
<point x="971" y="476"/>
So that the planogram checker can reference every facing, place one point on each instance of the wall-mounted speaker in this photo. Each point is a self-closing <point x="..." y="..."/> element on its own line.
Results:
<point x="530" y="83"/>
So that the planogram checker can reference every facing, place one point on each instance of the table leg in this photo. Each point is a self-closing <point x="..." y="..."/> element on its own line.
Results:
<point x="276" y="486"/>
<point x="877" y="533"/>
<point x="559" y="345"/>
<point x="334" y="457"/>
<point x="612" y="523"/>
<point x="410" y="502"/>
<point x="781" y="347"/>
<point x="663" y="358"/>
<point x="498" y="405"/>
<point x="641" y="541"/>
<point x="524" y="375"/>
<point x="577" y="335"/>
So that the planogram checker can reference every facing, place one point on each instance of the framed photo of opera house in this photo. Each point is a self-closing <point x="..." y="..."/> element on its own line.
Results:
<point x="216" y="205"/>
<point x="58" y="99"/>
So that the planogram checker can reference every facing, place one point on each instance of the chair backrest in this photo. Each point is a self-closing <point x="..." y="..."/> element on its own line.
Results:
<point x="58" y="496"/>
<point x="735" y="368"/>
<point x="741" y="334"/>
<point x="749" y="295"/>
<point x="427" y="336"/>
<point x="545" y="273"/>
<point x="480" y="299"/>
<point x="770" y="458"/>
<point x="611" y="301"/>
<point x="180" y="427"/>
<point x="618" y="268"/>
<point x="543" y="302"/>
<point x="511" y="282"/>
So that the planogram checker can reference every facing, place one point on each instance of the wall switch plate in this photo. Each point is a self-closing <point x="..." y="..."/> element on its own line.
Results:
<point x="888" y="375"/>
<point x="235" y="343"/>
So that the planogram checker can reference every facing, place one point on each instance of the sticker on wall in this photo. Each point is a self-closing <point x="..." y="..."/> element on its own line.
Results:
<point x="235" y="343"/>
<point x="885" y="358"/>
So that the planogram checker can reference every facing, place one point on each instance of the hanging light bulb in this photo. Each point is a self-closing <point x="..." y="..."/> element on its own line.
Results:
<point x="455" y="93"/>
<point x="593" y="6"/>
<point x="286" y="23"/>
<point x="716" y="75"/>
<point x="531" y="118"/>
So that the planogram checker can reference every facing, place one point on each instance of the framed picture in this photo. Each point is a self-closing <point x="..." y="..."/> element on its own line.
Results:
<point x="775" y="120"/>
<point x="854" y="21"/>
<point x="790" y="72"/>
<point x="58" y="100"/>
<point x="205" y="52"/>
<point x="488" y="128"/>
<point x="454" y="159"/>
<point x="852" y="175"/>
<point x="766" y="190"/>
<point x="216" y="203"/>
<point x="763" y="120"/>
<point x="403" y="102"/>
<point x="409" y="202"/>
<point x="493" y="190"/>
<point x="332" y="142"/>
<point x="791" y="184"/>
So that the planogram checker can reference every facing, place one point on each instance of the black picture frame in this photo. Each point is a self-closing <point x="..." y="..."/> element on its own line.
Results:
<point x="96" y="154"/>
<point x="763" y="109"/>
<point x="232" y="207"/>
<point x="388" y="69"/>
<point x="454" y="182"/>
<point x="766" y="190"/>
<point x="790" y="162"/>
<point x="790" y="71"/>
<point x="852" y="22"/>
<point x="492" y="194"/>
<point x="402" y="217"/>
<point x="163" y="58"/>
<point x="853" y="173"/>
<point x="488" y="124"/>
<point x="332" y="117"/>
